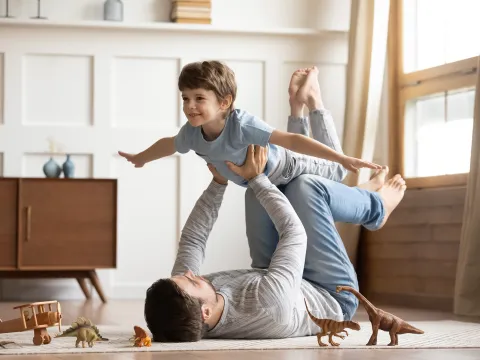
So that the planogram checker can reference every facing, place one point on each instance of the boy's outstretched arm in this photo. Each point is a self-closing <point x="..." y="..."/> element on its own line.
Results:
<point x="305" y="145"/>
<point x="162" y="148"/>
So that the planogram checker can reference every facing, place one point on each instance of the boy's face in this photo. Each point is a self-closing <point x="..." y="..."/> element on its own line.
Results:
<point x="201" y="106"/>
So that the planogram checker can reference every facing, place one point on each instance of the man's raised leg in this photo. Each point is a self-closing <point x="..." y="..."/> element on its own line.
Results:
<point x="304" y="89"/>
<point x="319" y="203"/>
<point x="261" y="233"/>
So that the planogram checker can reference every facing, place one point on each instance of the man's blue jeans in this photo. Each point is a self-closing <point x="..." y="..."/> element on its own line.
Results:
<point x="319" y="203"/>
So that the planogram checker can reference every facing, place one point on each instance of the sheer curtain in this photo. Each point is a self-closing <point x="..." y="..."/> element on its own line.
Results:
<point x="467" y="284"/>
<point x="369" y="21"/>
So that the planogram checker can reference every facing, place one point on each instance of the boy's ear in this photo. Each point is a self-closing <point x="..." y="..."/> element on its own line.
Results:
<point x="226" y="102"/>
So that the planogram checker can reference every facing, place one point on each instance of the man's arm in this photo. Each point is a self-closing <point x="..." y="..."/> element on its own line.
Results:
<point x="282" y="282"/>
<point x="279" y="286"/>
<point x="195" y="233"/>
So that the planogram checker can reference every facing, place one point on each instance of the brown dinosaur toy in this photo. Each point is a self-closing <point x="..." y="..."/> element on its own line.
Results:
<point x="382" y="320"/>
<point x="331" y="328"/>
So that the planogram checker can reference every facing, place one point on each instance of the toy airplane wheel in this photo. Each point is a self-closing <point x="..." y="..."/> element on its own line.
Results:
<point x="38" y="340"/>
<point x="41" y="336"/>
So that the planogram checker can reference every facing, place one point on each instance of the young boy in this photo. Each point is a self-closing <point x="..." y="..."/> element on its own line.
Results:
<point x="221" y="134"/>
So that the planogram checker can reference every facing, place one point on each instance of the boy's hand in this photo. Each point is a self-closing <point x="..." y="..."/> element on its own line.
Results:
<point x="254" y="163"/>
<point x="219" y="179"/>
<point x="133" y="158"/>
<point x="353" y="164"/>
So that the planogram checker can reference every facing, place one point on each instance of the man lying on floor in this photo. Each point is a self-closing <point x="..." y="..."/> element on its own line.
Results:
<point x="267" y="301"/>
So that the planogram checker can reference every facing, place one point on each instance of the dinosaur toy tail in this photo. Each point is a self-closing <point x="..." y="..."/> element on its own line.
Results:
<point x="369" y="307"/>
<point x="409" y="329"/>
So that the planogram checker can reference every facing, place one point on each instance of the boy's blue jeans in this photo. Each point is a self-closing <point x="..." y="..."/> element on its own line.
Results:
<point x="319" y="201"/>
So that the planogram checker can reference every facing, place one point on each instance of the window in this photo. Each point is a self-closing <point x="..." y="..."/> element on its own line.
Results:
<point x="438" y="133"/>
<point x="437" y="32"/>
<point x="435" y="57"/>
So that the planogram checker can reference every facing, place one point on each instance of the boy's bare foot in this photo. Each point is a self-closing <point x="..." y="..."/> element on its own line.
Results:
<point x="376" y="181"/>
<point x="309" y="93"/>
<point x="392" y="193"/>
<point x="296" y="81"/>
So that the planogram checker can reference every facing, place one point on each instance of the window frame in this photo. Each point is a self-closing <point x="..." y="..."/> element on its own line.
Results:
<point x="403" y="87"/>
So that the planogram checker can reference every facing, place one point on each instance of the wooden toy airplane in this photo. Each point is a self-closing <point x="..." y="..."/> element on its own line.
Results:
<point x="37" y="321"/>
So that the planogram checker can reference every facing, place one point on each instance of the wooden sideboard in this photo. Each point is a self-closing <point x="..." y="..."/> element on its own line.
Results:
<point x="58" y="228"/>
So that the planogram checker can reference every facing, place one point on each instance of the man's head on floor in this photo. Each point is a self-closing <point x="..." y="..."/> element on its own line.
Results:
<point x="178" y="309"/>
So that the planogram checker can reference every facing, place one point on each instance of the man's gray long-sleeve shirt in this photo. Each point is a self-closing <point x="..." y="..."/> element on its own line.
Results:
<point x="258" y="303"/>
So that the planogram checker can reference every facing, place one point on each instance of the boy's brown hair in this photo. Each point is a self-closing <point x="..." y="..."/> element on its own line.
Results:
<point x="209" y="75"/>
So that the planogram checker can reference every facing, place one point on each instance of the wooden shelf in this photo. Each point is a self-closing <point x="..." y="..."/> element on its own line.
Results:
<point x="168" y="26"/>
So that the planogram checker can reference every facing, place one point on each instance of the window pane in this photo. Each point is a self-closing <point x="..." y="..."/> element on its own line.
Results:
<point x="436" y="32"/>
<point x="438" y="134"/>
<point x="463" y="29"/>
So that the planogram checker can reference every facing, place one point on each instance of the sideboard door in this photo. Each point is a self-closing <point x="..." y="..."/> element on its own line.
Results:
<point x="8" y="223"/>
<point x="68" y="223"/>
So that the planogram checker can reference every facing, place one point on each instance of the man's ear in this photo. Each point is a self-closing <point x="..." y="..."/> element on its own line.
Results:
<point x="226" y="102"/>
<point x="206" y="312"/>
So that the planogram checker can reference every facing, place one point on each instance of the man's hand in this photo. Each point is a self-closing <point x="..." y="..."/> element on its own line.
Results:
<point x="133" y="158"/>
<point x="219" y="179"/>
<point x="254" y="163"/>
<point x="353" y="164"/>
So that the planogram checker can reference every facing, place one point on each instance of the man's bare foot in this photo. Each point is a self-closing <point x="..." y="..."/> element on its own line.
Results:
<point x="392" y="193"/>
<point x="296" y="81"/>
<point x="376" y="181"/>
<point x="309" y="93"/>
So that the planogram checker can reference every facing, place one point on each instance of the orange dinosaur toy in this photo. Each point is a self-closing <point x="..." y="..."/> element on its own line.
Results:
<point x="141" y="338"/>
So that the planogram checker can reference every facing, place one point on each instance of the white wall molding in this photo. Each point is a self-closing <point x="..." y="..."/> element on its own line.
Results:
<point x="96" y="25"/>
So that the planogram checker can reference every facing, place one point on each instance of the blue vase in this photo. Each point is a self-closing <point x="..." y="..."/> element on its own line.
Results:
<point x="68" y="168"/>
<point x="51" y="169"/>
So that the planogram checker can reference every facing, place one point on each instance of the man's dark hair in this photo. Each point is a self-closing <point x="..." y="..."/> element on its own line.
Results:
<point x="172" y="315"/>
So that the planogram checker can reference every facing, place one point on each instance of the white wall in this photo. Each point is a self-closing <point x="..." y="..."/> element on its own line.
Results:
<point x="94" y="89"/>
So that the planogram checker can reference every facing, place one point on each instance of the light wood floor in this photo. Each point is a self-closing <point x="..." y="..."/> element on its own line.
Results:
<point x="131" y="312"/>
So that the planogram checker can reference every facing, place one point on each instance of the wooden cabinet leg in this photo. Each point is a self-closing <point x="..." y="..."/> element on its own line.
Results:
<point x="83" y="285"/>
<point x="96" y="284"/>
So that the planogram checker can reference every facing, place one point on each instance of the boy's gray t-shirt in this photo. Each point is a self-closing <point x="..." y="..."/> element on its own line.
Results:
<point x="241" y="129"/>
<point x="258" y="303"/>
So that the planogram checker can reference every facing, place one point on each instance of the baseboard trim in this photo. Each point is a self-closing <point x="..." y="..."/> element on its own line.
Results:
<point x="33" y="290"/>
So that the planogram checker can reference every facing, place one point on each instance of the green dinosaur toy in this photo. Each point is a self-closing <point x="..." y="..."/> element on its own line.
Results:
<point x="85" y="332"/>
